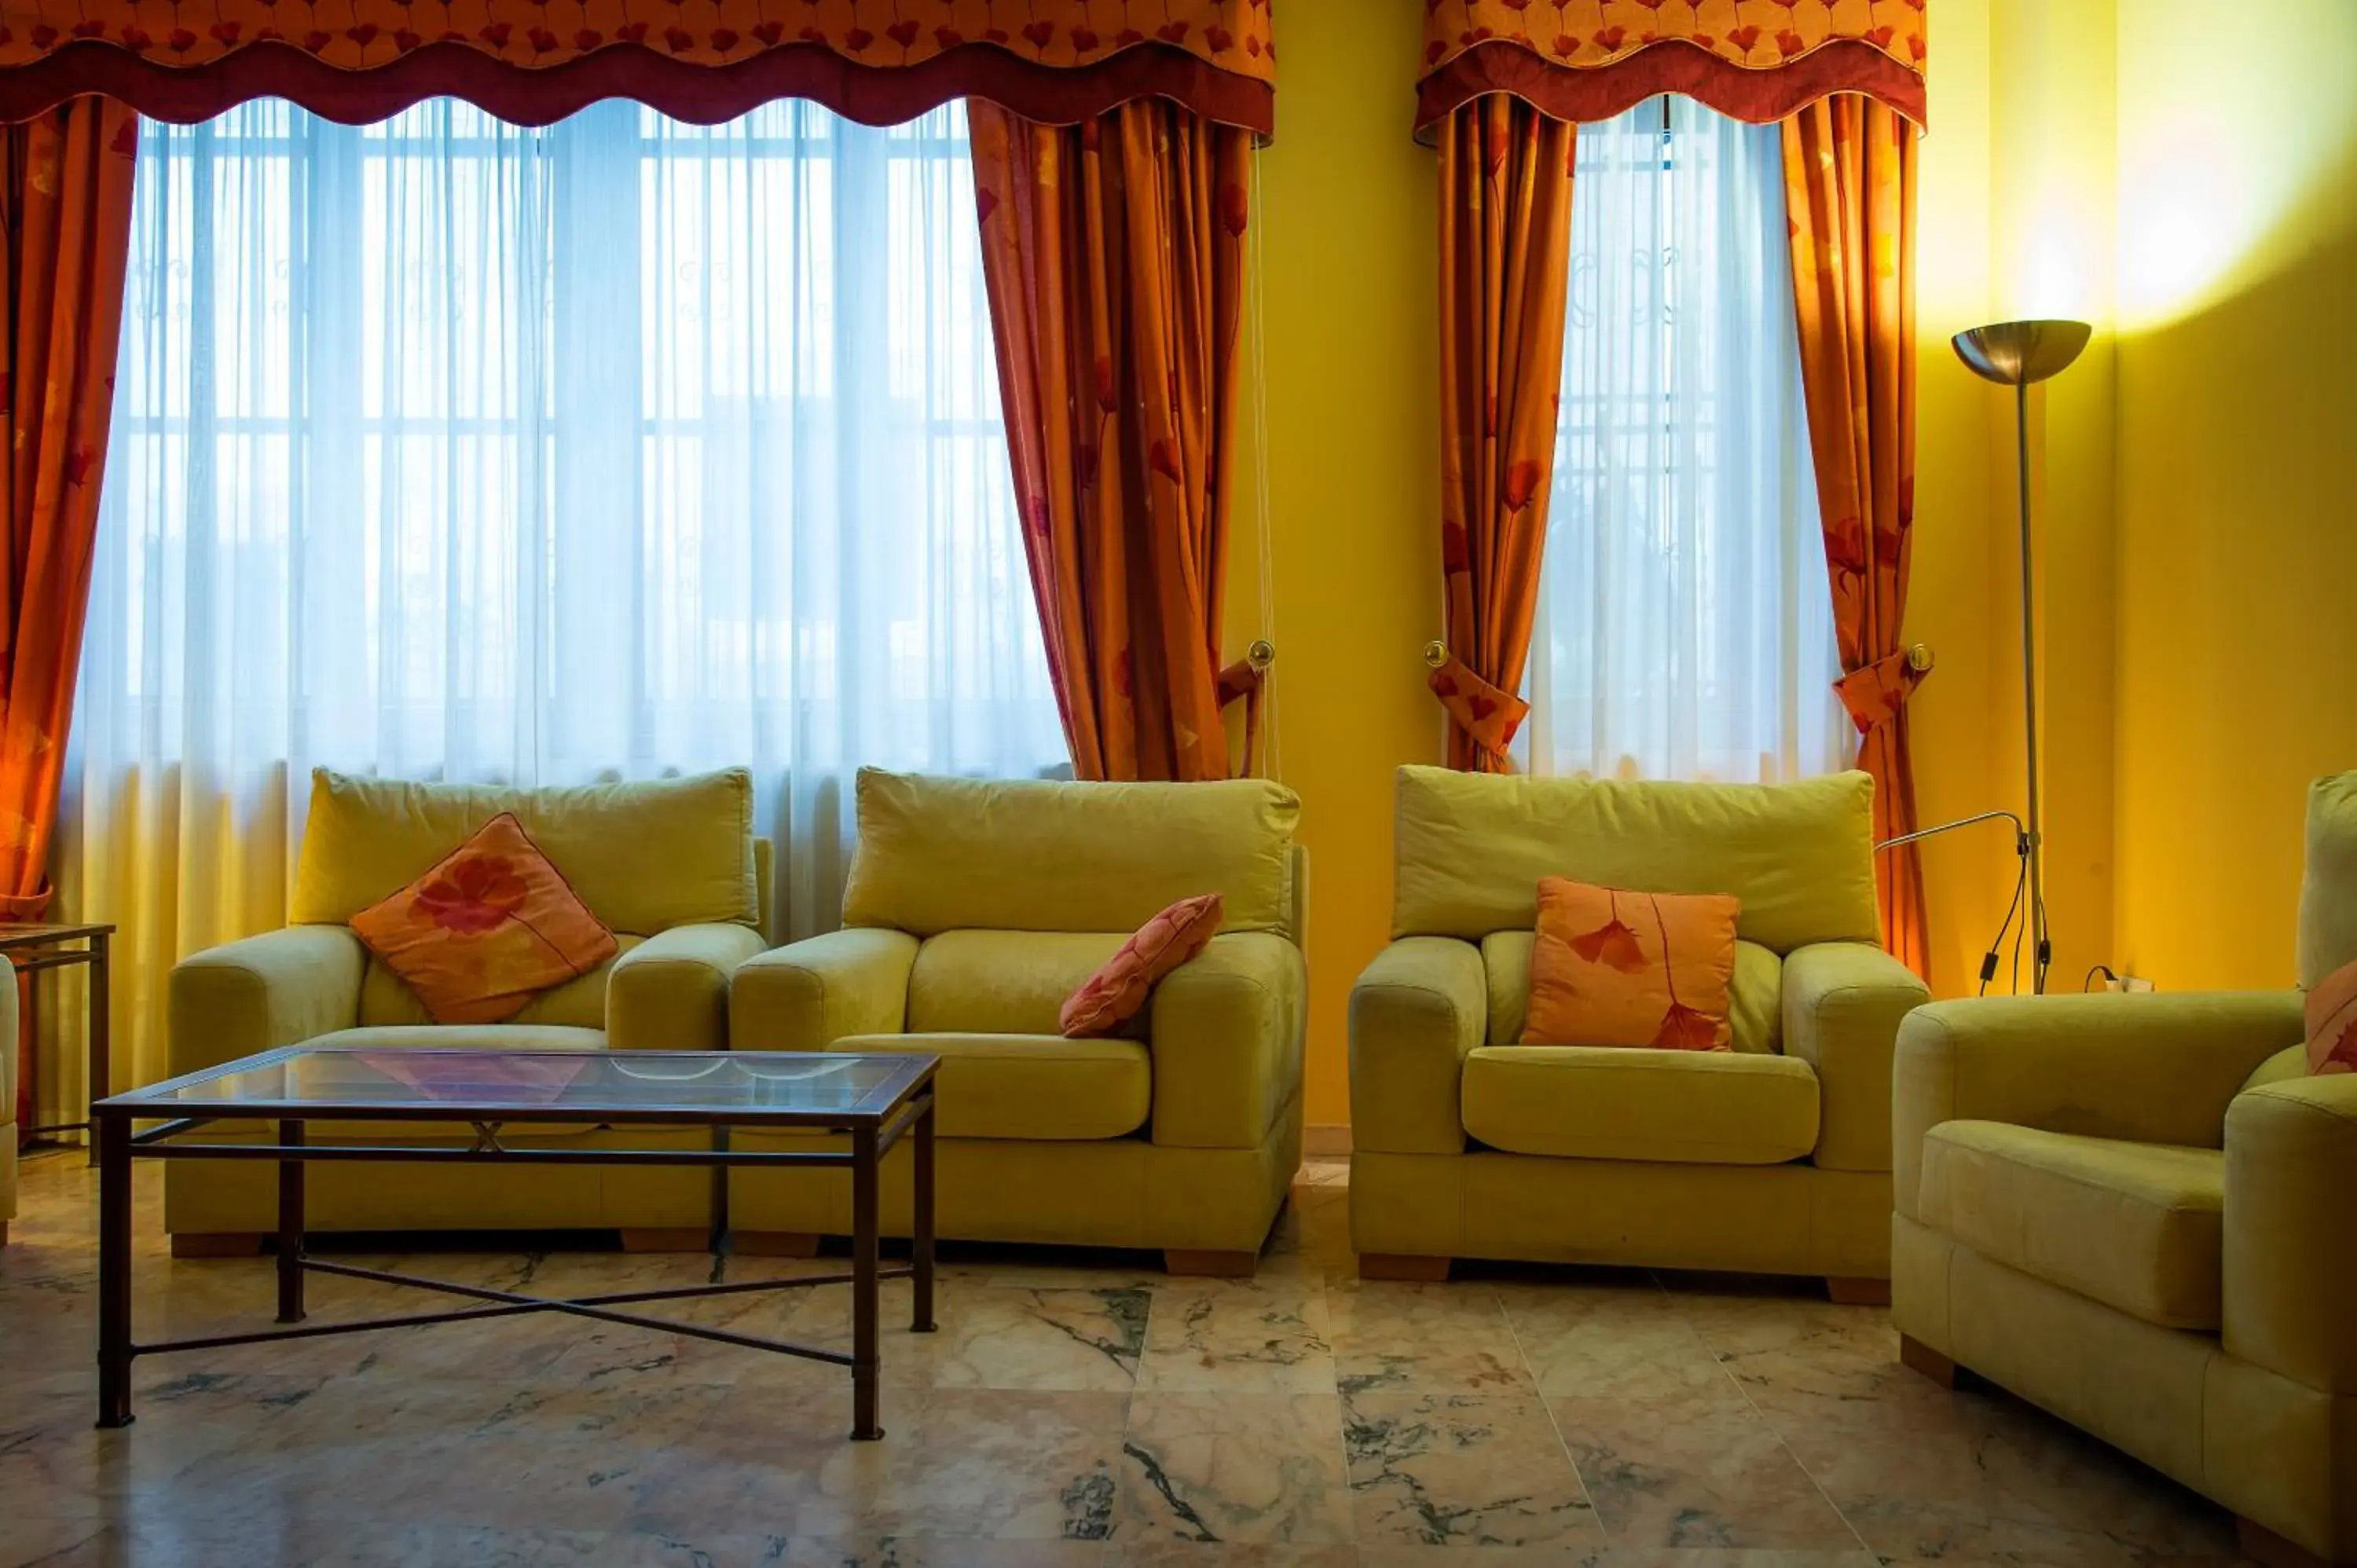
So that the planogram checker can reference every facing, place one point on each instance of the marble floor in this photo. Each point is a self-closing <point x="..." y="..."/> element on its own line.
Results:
<point x="1073" y="1413"/>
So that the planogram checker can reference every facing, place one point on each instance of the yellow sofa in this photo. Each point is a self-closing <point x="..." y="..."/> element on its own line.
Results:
<point x="2139" y="1212"/>
<point x="973" y="909"/>
<point x="671" y="865"/>
<point x="1774" y="1157"/>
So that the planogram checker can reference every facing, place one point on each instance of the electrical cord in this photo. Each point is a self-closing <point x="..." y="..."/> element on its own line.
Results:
<point x="1989" y="960"/>
<point x="2088" y="983"/>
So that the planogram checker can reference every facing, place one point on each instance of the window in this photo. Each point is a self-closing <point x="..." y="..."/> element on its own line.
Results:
<point x="445" y="448"/>
<point x="1685" y="624"/>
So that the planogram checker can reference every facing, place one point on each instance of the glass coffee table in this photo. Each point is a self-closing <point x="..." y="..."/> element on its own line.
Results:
<point x="875" y="1100"/>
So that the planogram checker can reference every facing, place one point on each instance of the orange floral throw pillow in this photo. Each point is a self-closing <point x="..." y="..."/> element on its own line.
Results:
<point x="2332" y="1022"/>
<point x="1112" y="996"/>
<point x="492" y="923"/>
<point x="1613" y="968"/>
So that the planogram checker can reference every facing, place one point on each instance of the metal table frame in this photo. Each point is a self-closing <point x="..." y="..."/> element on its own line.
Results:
<point x="34" y="946"/>
<point x="873" y="1135"/>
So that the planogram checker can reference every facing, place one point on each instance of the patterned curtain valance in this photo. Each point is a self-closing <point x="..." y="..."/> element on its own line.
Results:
<point x="534" y="61"/>
<point x="1590" y="59"/>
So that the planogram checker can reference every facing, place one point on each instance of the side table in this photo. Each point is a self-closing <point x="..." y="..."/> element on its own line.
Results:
<point x="32" y="946"/>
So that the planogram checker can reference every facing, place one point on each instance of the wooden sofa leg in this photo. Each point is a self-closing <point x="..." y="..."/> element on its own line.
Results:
<point x="774" y="1243"/>
<point x="217" y="1244"/>
<point x="1858" y="1293"/>
<point x="2264" y="1546"/>
<point x="1913" y="1353"/>
<point x="1183" y="1261"/>
<point x="1403" y="1266"/>
<point x="666" y="1239"/>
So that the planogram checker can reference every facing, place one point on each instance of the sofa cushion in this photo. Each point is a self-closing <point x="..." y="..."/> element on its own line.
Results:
<point x="1115" y="994"/>
<point x="2327" y="885"/>
<point x="488" y="926"/>
<point x="942" y="855"/>
<point x="1615" y="968"/>
<point x="578" y="1003"/>
<point x="1028" y="1086"/>
<point x="1755" y="996"/>
<point x="2139" y="1227"/>
<point x="1471" y="848"/>
<point x="1001" y="982"/>
<point x="1618" y="1103"/>
<point x="644" y="857"/>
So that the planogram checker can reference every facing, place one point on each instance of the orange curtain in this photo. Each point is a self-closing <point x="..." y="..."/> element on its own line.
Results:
<point x="1113" y="255"/>
<point x="1505" y="241"/>
<point x="65" y="193"/>
<point x="1850" y="187"/>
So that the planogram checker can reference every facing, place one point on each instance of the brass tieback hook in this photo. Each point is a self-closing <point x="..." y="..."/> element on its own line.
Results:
<point x="1261" y="654"/>
<point x="1918" y="658"/>
<point x="1436" y="653"/>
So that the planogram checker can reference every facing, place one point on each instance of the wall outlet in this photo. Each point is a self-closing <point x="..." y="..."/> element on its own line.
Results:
<point x="2135" y="982"/>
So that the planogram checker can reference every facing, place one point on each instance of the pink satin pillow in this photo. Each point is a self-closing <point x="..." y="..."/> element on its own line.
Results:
<point x="2332" y="1022"/>
<point x="1112" y="995"/>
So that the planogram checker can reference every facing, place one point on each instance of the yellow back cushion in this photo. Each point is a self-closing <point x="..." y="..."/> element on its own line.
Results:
<point x="1471" y="848"/>
<point x="644" y="857"/>
<point x="942" y="855"/>
<point x="2327" y="890"/>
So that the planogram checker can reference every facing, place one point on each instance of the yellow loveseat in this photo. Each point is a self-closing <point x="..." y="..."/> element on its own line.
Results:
<point x="1774" y="1157"/>
<point x="973" y="909"/>
<point x="671" y="865"/>
<point x="2140" y="1212"/>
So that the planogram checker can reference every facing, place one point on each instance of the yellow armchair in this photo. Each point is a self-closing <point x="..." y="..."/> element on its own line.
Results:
<point x="974" y="908"/>
<point x="673" y="866"/>
<point x="8" y="1098"/>
<point x="2140" y="1212"/>
<point x="1773" y="1158"/>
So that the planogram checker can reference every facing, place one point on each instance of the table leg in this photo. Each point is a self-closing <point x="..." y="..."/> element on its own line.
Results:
<point x="920" y="1244"/>
<point x="720" y="1224"/>
<point x="98" y="1025"/>
<point x="112" y="1138"/>
<point x="865" y="1424"/>
<point x="290" y="1226"/>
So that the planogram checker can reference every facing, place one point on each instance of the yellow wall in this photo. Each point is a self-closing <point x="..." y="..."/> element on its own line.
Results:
<point x="2237" y="473"/>
<point x="1348" y="286"/>
<point x="1350" y="357"/>
<point x="2195" y="476"/>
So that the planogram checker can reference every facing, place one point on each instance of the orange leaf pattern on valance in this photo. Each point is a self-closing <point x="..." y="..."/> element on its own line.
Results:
<point x="844" y="52"/>
<point x="1588" y="59"/>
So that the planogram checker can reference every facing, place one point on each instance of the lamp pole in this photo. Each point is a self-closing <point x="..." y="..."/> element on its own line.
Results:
<point x="2018" y="354"/>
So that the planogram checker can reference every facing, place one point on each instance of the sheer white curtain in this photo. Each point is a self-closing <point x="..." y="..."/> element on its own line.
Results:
<point x="1685" y="624"/>
<point x="448" y="449"/>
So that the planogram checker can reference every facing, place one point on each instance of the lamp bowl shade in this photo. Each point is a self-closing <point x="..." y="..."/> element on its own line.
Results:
<point x="2018" y="353"/>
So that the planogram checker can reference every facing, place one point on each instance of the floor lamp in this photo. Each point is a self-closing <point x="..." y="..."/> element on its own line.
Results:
<point x="2018" y="354"/>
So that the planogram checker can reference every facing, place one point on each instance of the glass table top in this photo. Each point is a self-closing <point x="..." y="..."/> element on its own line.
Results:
<point x="693" y="1086"/>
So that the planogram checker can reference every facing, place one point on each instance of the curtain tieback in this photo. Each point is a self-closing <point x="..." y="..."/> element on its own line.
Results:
<point x="1245" y="679"/>
<point x="1487" y="713"/>
<point x="1875" y="693"/>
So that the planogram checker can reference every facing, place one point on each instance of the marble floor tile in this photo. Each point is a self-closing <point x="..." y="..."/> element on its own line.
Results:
<point x="1695" y="1469"/>
<point x="1387" y="1336"/>
<point x="1255" y="1468"/>
<point x="1462" y="1469"/>
<point x="1608" y="1342"/>
<point x="1077" y="1409"/>
<point x="1237" y="1336"/>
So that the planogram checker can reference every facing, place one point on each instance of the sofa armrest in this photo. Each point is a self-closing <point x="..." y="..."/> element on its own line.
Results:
<point x="671" y="992"/>
<point x="1843" y="1004"/>
<point x="806" y="996"/>
<point x="262" y="992"/>
<point x="2291" y="1229"/>
<point x="1226" y="1041"/>
<point x="2155" y="1069"/>
<point x="1415" y="1013"/>
<point x="9" y="1063"/>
